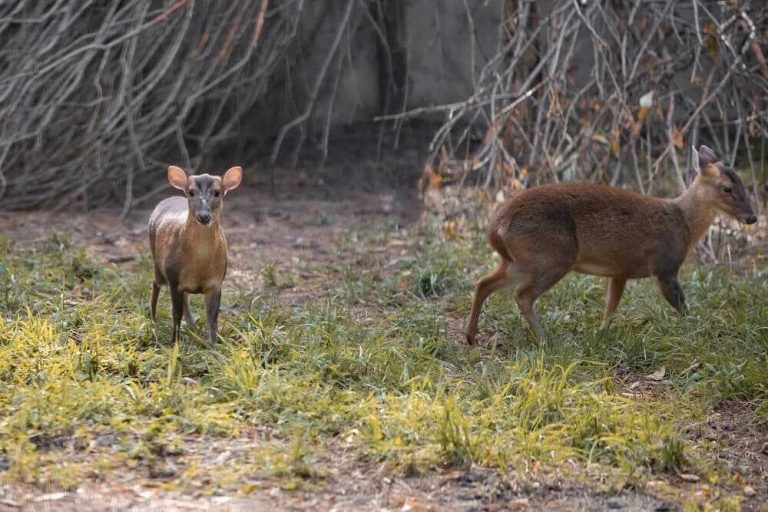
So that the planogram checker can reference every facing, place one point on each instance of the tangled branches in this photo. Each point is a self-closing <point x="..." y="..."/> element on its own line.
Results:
<point x="609" y="92"/>
<point x="95" y="95"/>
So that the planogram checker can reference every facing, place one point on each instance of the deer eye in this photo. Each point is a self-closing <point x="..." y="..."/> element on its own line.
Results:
<point x="727" y="190"/>
<point x="191" y="193"/>
<point x="216" y="193"/>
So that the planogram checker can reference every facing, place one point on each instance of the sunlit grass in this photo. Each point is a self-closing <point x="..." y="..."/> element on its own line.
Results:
<point x="378" y="365"/>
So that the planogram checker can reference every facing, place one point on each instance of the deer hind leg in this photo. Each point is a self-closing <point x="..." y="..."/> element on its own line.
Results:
<point x="612" y="297"/>
<point x="187" y="314"/>
<point x="156" y="284"/>
<point x="537" y="282"/>
<point x="488" y="284"/>
<point x="153" y="300"/>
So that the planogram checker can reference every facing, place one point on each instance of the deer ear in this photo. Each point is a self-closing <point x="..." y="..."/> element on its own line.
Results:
<point x="706" y="155"/>
<point x="695" y="161"/>
<point x="177" y="177"/>
<point x="703" y="162"/>
<point x="232" y="178"/>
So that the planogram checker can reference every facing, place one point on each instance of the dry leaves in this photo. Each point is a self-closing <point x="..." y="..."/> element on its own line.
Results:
<point x="429" y="178"/>
<point x="677" y="137"/>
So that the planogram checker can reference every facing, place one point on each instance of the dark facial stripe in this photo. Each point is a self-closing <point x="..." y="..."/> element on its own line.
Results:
<point x="204" y="182"/>
<point x="731" y="175"/>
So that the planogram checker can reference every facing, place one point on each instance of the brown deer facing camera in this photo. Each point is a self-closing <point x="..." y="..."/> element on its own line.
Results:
<point x="188" y="246"/>
<point x="550" y="230"/>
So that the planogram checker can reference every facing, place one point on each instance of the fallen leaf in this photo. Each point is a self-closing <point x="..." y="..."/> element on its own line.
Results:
<point x="55" y="496"/>
<point x="687" y="477"/>
<point x="599" y="137"/>
<point x="507" y="168"/>
<point x="426" y="177"/>
<point x="396" y="500"/>
<point x="646" y="100"/>
<point x="490" y="133"/>
<point x="615" y="138"/>
<point x="412" y="505"/>
<point x="695" y="366"/>
<point x="677" y="137"/>
<point x="754" y="128"/>
<point x="749" y="491"/>
<point x="641" y="115"/>
<point x="443" y="155"/>
<point x="518" y="504"/>
<point x="710" y="29"/>
<point x="658" y="375"/>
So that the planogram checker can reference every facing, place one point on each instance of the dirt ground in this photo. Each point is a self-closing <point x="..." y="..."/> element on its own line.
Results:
<point x="299" y="230"/>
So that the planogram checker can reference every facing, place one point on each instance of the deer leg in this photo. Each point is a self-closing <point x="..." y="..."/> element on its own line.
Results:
<point x="187" y="315"/>
<point x="532" y="289"/>
<point x="612" y="297"/>
<point x="177" y="301"/>
<point x="153" y="300"/>
<point x="212" y="302"/>
<point x="158" y="281"/>
<point x="488" y="284"/>
<point x="670" y="288"/>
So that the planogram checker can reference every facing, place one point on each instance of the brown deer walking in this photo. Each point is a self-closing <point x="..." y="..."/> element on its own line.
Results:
<point x="550" y="230"/>
<point x="188" y="246"/>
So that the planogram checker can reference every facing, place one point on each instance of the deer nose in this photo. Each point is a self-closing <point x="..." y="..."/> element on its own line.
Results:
<point x="751" y="219"/>
<point x="204" y="217"/>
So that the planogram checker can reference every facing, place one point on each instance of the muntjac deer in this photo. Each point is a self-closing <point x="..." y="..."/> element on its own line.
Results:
<point x="550" y="230"/>
<point x="188" y="246"/>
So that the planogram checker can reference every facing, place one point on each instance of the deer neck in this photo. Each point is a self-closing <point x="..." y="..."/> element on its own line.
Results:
<point x="195" y="233"/>
<point x="698" y="211"/>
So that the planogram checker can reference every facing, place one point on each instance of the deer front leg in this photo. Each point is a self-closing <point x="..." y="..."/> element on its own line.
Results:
<point x="670" y="288"/>
<point x="612" y="297"/>
<point x="212" y="302"/>
<point x="177" y="301"/>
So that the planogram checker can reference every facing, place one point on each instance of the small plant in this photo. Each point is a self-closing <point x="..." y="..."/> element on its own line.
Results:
<point x="83" y="267"/>
<point x="429" y="284"/>
<point x="456" y="440"/>
<point x="269" y="274"/>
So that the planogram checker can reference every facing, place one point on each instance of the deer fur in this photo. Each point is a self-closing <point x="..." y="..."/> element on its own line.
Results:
<point x="548" y="231"/>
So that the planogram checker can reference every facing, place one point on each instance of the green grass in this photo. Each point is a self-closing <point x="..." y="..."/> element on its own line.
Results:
<point x="378" y="364"/>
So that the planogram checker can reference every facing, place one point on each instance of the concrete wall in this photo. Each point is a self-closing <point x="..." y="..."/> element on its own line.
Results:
<point x="440" y="47"/>
<point x="438" y="41"/>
